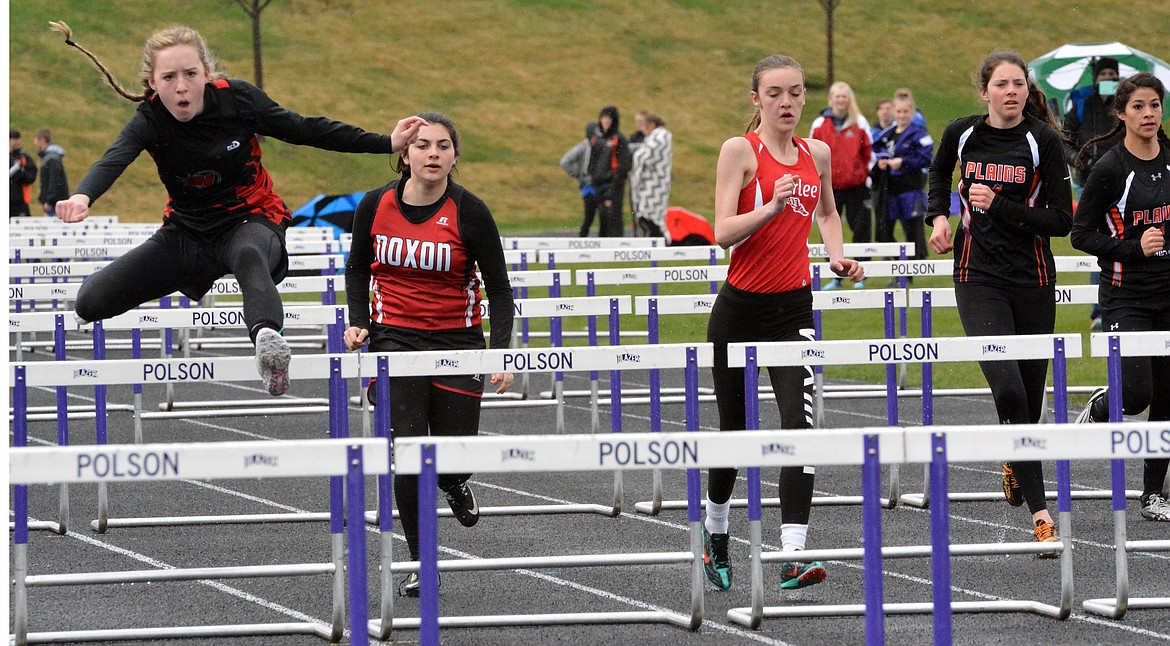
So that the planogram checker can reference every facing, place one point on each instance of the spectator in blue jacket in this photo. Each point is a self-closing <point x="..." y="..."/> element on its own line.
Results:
<point x="903" y="152"/>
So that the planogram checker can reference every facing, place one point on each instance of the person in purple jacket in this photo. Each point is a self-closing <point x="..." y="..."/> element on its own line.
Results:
<point x="903" y="152"/>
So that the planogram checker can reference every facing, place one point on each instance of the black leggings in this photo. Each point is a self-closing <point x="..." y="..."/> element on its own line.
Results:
<point x="1016" y="386"/>
<point x="172" y="260"/>
<point x="609" y="209"/>
<point x="1143" y="379"/>
<point x="422" y="408"/>
<point x="744" y="317"/>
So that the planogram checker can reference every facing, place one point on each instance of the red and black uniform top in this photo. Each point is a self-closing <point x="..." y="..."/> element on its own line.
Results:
<point x="1008" y="244"/>
<point x="1123" y="197"/>
<point x="418" y="265"/>
<point x="211" y="165"/>
<point x="774" y="258"/>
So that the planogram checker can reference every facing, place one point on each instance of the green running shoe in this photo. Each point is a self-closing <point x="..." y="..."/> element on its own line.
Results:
<point x="715" y="560"/>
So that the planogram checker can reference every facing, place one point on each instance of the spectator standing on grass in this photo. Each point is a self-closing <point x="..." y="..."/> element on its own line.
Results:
<point x="1015" y="196"/>
<point x="650" y="177"/>
<point x="1090" y="116"/>
<point x="769" y="186"/>
<point x="575" y="163"/>
<point x="421" y="238"/>
<point x="845" y="130"/>
<point x="222" y="216"/>
<point x="1121" y="219"/>
<point x="609" y="166"/>
<point x="22" y="172"/>
<point x="903" y="151"/>
<point x="54" y="183"/>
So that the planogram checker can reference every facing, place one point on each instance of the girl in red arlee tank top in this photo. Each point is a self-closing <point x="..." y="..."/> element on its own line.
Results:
<point x="769" y="187"/>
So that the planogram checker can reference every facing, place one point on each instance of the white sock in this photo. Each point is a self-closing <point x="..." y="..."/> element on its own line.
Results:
<point x="792" y="537"/>
<point x="716" y="522"/>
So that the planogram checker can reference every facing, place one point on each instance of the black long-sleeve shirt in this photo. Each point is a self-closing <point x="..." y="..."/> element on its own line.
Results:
<point x="1008" y="244"/>
<point x="478" y="241"/>
<point x="211" y="165"/>
<point x="1123" y="198"/>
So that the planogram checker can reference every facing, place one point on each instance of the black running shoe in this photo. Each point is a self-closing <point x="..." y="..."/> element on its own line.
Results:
<point x="716" y="563"/>
<point x="795" y="575"/>
<point x="1086" y="415"/>
<point x="463" y="505"/>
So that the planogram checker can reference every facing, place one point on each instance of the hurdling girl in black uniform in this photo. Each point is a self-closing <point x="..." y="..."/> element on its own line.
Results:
<point x="222" y="216"/>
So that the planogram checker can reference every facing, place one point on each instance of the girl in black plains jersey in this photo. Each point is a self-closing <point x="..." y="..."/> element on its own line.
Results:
<point x="420" y="238"/>
<point x="1015" y="195"/>
<point x="1121" y="219"/>
<point x="222" y="216"/>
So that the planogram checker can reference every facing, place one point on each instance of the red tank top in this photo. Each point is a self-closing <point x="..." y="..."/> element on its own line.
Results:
<point x="422" y="278"/>
<point x="775" y="258"/>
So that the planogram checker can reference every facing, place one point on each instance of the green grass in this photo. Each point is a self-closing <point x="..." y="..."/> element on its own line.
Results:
<point x="521" y="77"/>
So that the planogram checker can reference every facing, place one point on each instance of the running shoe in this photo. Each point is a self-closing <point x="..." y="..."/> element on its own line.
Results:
<point x="1155" y="507"/>
<point x="715" y="560"/>
<point x="831" y="285"/>
<point x="411" y="585"/>
<point x="794" y="575"/>
<point x="859" y="284"/>
<point x="1086" y="415"/>
<point x="1011" y="486"/>
<point x="1046" y="533"/>
<point x="1095" y="324"/>
<point x="272" y="358"/>
<point x="463" y="505"/>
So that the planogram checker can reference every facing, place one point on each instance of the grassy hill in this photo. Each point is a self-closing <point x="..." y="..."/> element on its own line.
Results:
<point x="521" y="77"/>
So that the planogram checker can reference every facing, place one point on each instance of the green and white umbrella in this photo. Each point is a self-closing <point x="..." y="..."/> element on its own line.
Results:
<point x="1068" y="67"/>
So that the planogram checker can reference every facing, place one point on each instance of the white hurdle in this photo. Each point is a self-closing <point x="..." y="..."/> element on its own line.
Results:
<point x="1155" y="445"/>
<point x="351" y="459"/>
<point x="751" y="357"/>
<point x="613" y="358"/>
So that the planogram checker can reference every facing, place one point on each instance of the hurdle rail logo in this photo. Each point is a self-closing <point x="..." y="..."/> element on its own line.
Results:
<point x="994" y="348"/>
<point x="292" y="316"/>
<point x="565" y="307"/>
<point x="517" y="454"/>
<point x="1028" y="442"/>
<point x="777" y="449"/>
<point x="85" y="372"/>
<point x="704" y="305"/>
<point x="629" y="276"/>
<point x="629" y="357"/>
<point x="446" y="363"/>
<point x="147" y="318"/>
<point x="842" y="300"/>
<point x="260" y="460"/>
<point x="812" y="353"/>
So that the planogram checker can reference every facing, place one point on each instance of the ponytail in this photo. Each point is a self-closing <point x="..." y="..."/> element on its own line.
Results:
<point x="1037" y="105"/>
<point x="64" y="29"/>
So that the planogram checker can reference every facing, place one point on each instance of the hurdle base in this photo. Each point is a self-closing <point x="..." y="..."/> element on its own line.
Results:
<point x="228" y="630"/>
<point x="240" y="519"/>
<point x="743" y="616"/>
<point x="518" y="510"/>
<point x="918" y="500"/>
<point x="648" y="507"/>
<point x="1108" y="607"/>
<point x="555" y="619"/>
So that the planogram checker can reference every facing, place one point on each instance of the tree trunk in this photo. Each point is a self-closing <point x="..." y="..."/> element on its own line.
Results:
<point x="257" y="61"/>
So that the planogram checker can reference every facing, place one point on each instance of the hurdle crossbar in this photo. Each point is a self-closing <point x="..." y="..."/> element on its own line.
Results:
<point x="1114" y="346"/>
<point x="351" y="459"/>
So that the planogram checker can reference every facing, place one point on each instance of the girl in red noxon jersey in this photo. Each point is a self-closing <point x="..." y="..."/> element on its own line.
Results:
<point x="420" y="238"/>
<point x="769" y="186"/>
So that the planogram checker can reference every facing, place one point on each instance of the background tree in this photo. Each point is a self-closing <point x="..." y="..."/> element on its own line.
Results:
<point x="830" y="6"/>
<point x="253" y="8"/>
